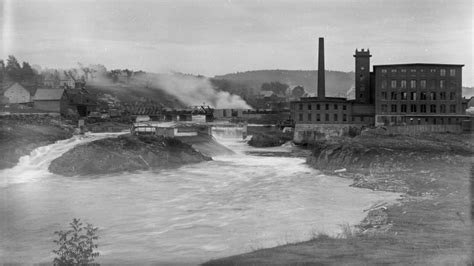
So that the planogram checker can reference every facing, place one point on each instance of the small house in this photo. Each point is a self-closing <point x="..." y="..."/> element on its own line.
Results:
<point x="51" y="100"/>
<point x="16" y="93"/>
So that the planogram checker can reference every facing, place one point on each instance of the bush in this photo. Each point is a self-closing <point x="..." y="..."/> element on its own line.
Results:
<point x="76" y="245"/>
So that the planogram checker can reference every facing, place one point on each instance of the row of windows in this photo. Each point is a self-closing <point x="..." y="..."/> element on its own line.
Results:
<point x="418" y="121"/>
<point x="326" y="117"/>
<point x="327" y="106"/>
<point x="413" y="95"/>
<point x="433" y="108"/>
<point x="413" y="84"/>
<point x="442" y="72"/>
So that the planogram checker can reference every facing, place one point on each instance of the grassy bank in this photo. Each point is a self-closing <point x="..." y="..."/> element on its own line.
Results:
<point x="431" y="225"/>
<point x="20" y="136"/>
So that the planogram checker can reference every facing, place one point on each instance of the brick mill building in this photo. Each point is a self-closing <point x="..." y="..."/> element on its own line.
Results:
<point x="392" y="95"/>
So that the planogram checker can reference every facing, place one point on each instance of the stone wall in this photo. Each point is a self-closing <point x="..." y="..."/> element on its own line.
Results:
<point x="311" y="133"/>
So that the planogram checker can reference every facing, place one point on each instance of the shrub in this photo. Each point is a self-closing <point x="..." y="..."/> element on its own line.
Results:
<point x="76" y="245"/>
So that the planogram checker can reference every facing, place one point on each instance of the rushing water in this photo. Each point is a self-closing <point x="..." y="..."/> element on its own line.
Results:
<point x="227" y="206"/>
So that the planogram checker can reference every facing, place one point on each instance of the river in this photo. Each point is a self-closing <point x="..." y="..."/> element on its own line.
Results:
<point x="236" y="203"/>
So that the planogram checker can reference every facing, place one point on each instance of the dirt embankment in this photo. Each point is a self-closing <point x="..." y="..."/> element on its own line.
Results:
<point x="21" y="135"/>
<point x="125" y="153"/>
<point x="267" y="136"/>
<point x="430" y="225"/>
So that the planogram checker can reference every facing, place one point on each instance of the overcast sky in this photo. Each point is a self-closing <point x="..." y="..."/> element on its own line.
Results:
<point x="217" y="37"/>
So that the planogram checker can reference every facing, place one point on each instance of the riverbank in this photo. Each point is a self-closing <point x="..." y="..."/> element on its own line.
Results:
<point x="430" y="225"/>
<point x="267" y="136"/>
<point x="124" y="154"/>
<point x="20" y="136"/>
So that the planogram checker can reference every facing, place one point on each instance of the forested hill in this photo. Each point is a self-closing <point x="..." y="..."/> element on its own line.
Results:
<point x="337" y="82"/>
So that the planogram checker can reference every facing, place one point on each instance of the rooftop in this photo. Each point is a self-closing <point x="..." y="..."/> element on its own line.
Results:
<point x="418" y="64"/>
<point x="48" y="94"/>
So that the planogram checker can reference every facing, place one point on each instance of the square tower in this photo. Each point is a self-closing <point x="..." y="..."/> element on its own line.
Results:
<point x="362" y="76"/>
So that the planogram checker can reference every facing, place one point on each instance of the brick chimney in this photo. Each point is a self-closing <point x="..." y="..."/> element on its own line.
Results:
<point x="321" y="72"/>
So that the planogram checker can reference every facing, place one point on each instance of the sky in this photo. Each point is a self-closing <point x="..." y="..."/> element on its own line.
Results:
<point x="217" y="37"/>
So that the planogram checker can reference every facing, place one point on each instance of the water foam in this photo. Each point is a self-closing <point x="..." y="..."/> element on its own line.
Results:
<point x="35" y="165"/>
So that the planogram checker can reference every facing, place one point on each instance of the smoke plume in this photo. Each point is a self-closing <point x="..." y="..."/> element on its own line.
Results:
<point x="192" y="90"/>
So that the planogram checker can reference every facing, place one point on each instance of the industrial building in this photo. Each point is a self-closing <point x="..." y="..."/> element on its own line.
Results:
<point x="390" y="95"/>
<point x="396" y="95"/>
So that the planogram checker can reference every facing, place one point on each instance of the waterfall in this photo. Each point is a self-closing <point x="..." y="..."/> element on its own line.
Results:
<point x="35" y="165"/>
<point x="229" y="131"/>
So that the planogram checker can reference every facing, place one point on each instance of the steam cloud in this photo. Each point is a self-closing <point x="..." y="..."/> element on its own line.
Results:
<point x="193" y="90"/>
<point x="189" y="90"/>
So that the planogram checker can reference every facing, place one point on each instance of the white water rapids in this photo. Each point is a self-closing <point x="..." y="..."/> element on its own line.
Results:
<point x="233" y="204"/>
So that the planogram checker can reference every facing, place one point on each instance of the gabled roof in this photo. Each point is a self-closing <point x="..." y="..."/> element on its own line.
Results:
<point x="48" y="94"/>
<point x="9" y="85"/>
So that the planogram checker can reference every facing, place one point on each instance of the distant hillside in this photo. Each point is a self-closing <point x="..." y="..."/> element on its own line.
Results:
<point x="337" y="83"/>
<point x="467" y="92"/>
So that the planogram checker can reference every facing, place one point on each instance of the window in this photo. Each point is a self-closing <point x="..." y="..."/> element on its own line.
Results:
<point x="394" y="108"/>
<point x="318" y="117"/>
<point x="344" y="107"/>
<point x="384" y="108"/>
<point x="441" y="84"/>
<point x="384" y="84"/>
<point x="403" y="70"/>
<point x="335" y="106"/>
<point x="413" y="70"/>
<point x="384" y="95"/>
<point x="327" y="106"/>
<point x="423" y="108"/>
<point x="413" y="84"/>
<point x="300" y="117"/>
<point x="394" y="84"/>
<point x="413" y="96"/>
<point x="432" y="70"/>
<point x="433" y="84"/>
<point x="327" y="117"/>
<point x="442" y="95"/>
<point x="404" y="95"/>
<point x="301" y="106"/>
<point x="433" y="96"/>
<point x="442" y="72"/>
<point x="335" y="117"/>
<point x="452" y="84"/>
<point x="393" y="95"/>
<point x="403" y="108"/>
<point x="442" y="108"/>
<point x="422" y="95"/>
<point x="309" y="106"/>
<point x="452" y="95"/>
<point x="433" y="108"/>
<point x="384" y="71"/>
<point x="403" y="84"/>
<point x="452" y="108"/>
<point x="394" y="71"/>
<point x="423" y="84"/>
<point x="413" y="108"/>
<point x="317" y="106"/>
<point x="309" y="117"/>
<point x="452" y="72"/>
<point x="344" y="117"/>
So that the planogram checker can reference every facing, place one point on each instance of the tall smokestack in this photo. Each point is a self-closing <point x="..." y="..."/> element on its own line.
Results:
<point x="321" y="72"/>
